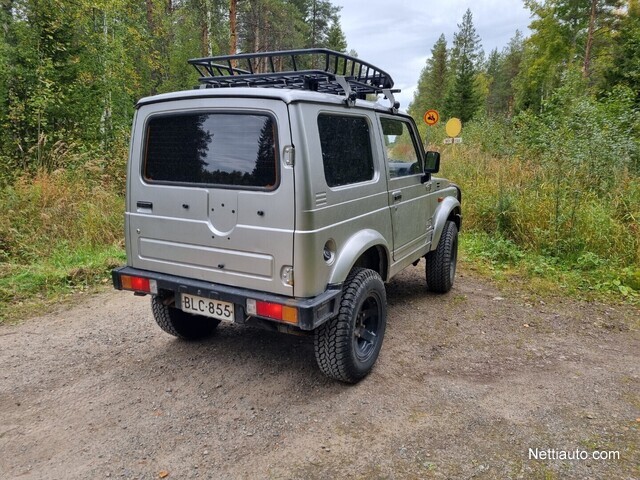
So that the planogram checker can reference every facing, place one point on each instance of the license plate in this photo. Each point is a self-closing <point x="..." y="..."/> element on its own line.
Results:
<point x="207" y="307"/>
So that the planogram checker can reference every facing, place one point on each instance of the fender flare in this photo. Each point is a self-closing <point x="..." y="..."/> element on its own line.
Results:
<point x="440" y="217"/>
<point x="351" y="251"/>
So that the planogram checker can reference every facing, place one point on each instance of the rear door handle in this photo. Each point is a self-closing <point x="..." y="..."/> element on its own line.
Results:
<point x="397" y="196"/>
<point x="147" y="205"/>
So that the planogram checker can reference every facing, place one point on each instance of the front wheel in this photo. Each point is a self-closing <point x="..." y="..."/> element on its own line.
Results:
<point x="441" y="263"/>
<point x="181" y="324"/>
<point x="348" y="345"/>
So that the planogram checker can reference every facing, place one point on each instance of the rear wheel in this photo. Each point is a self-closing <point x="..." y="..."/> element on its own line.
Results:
<point x="181" y="324"/>
<point x="441" y="263"/>
<point x="348" y="345"/>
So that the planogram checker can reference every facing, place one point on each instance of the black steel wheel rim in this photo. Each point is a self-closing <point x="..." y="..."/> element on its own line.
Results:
<point x="367" y="328"/>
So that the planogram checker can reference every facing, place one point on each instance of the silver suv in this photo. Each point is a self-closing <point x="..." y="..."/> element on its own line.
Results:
<point x="276" y="195"/>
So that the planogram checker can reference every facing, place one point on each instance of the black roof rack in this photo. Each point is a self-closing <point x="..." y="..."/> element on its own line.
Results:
<point x="316" y="69"/>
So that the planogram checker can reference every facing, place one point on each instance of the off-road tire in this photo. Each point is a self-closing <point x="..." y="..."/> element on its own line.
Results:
<point x="347" y="346"/>
<point x="441" y="263"/>
<point x="181" y="324"/>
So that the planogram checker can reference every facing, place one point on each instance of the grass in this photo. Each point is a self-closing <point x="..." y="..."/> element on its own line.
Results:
<point x="28" y="289"/>
<point x="60" y="232"/>
<point x="547" y="221"/>
<point x="509" y="265"/>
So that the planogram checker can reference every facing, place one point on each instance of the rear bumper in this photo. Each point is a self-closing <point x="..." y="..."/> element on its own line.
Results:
<point x="312" y="312"/>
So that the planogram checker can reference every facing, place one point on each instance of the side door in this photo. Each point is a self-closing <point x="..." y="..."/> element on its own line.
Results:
<point x="409" y="189"/>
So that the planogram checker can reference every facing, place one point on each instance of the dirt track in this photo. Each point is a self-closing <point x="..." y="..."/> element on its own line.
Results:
<point x="465" y="385"/>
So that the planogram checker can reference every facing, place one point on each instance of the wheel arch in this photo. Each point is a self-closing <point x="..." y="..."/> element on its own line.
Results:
<point x="449" y="209"/>
<point x="366" y="249"/>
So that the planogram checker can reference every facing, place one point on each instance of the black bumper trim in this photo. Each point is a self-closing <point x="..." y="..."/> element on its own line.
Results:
<point x="312" y="312"/>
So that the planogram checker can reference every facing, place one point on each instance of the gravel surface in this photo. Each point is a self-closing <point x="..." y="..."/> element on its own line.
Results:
<point x="466" y="384"/>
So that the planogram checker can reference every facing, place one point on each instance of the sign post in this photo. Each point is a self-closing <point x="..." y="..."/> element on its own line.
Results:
<point x="453" y="129"/>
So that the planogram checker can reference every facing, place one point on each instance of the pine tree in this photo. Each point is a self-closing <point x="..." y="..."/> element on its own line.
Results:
<point x="335" y="38"/>
<point x="462" y="98"/>
<point x="502" y="68"/>
<point x="496" y="83"/>
<point x="432" y="85"/>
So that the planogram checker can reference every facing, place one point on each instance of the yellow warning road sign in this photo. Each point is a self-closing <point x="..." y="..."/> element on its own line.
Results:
<point x="453" y="127"/>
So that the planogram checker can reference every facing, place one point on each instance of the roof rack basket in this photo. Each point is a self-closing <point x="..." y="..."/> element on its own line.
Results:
<point x="316" y="69"/>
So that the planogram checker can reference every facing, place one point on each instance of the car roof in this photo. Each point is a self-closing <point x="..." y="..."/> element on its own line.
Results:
<point x="288" y="96"/>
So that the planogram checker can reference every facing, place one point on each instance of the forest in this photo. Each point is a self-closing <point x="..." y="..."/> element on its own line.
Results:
<point x="550" y="160"/>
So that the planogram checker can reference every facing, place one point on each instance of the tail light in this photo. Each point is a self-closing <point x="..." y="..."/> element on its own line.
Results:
<point x="138" y="284"/>
<point x="274" y="311"/>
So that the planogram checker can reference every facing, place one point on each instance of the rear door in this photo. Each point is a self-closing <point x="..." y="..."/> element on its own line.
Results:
<point x="210" y="196"/>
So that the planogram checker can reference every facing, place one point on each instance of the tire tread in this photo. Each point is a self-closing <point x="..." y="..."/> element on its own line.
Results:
<point x="333" y="339"/>
<point x="438" y="265"/>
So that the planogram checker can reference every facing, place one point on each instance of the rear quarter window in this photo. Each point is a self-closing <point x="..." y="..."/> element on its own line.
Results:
<point x="346" y="149"/>
<point x="218" y="149"/>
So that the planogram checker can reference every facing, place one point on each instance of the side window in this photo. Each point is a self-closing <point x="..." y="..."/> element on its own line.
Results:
<point x="346" y="149"/>
<point x="403" y="158"/>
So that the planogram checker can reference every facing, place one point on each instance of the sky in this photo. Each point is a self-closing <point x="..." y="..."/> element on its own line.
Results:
<point x="398" y="35"/>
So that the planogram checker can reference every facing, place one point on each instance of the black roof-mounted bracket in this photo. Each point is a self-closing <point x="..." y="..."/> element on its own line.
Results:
<point x="350" y="101"/>
<point x="388" y="93"/>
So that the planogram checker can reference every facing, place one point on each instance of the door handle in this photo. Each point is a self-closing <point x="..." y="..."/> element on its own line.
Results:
<point x="142" y="204"/>
<point x="397" y="196"/>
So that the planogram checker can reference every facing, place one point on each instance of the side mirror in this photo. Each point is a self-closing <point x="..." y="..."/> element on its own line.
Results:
<point x="432" y="162"/>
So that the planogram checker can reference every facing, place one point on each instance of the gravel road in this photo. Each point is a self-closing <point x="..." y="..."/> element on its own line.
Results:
<point x="468" y="385"/>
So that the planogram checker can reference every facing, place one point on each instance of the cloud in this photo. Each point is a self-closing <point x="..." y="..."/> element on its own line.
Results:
<point x="398" y="36"/>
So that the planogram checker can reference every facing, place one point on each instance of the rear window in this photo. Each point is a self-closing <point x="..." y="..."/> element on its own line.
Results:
<point x="235" y="150"/>
<point x="346" y="149"/>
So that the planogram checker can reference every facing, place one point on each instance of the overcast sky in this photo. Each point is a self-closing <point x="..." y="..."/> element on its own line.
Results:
<point x="397" y="35"/>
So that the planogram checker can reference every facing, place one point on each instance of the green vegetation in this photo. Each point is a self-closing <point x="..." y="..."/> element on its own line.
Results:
<point x="555" y="197"/>
<point x="549" y="167"/>
<point x="59" y="232"/>
<point x="550" y="164"/>
<point x="69" y="79"/>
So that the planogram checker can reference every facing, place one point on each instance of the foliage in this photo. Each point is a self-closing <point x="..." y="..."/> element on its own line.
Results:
<point x="433" y="81"/>
<point x="550" y="165"/>
<point x="563" y="186"/>
<point x="590" y="277"/>
<point x="60" y="231"/>
<point x="501" y="69"/>
<point x="625" y="64"/>
<point x="462" y="99"/>
<point x="561" y="33"/>
<point x="335" y="38"/>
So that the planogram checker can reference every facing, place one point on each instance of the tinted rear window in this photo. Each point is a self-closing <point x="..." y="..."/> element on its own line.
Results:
<point x="346" y="149"/>
<point x="212" y="149"/>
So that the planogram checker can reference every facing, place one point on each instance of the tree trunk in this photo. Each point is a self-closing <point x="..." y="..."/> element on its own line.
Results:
<point x="586" y="67"/>
<point x="204" y="30"/>
<point x="233" y="34"/>
<point x="149" y="4"/>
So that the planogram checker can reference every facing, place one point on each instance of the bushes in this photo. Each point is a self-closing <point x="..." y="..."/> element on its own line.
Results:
<point x="77" y="208"/>
<point x="60" y="230"/>
<point x="562" y="184"/>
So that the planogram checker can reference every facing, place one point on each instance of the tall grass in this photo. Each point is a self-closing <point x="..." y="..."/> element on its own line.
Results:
<point x="60" y="230"/>
<point x="563" y="186"/>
